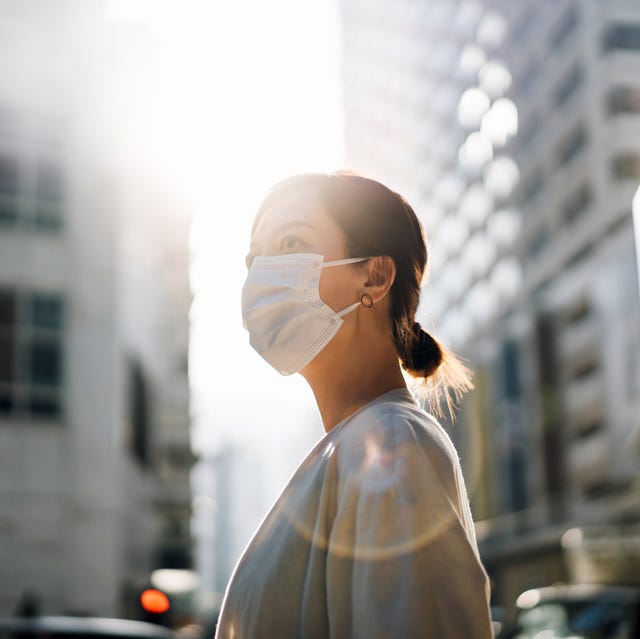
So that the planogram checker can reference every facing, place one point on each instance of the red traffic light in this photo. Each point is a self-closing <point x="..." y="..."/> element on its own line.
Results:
<point x="154" y="601"/>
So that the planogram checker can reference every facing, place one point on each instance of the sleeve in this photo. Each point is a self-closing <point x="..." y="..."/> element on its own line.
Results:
<point x="401" y="562"/>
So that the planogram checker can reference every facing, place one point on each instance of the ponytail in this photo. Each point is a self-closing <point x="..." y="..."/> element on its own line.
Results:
<point x="440" y="376"/>
<point x="420" y="354"/>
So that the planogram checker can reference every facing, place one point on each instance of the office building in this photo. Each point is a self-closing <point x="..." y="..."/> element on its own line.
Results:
<point x="513" y="129"/>
<point x="94" y="300"/>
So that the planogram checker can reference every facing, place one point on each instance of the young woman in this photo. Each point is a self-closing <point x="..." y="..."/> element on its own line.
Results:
<point x="373" y="535"/>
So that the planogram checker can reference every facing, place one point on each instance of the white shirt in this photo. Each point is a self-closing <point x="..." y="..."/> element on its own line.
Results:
<point x="372" y="537"/>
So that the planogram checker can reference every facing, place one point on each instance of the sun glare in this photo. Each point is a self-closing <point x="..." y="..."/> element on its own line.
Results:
<point x="241" y="95"/>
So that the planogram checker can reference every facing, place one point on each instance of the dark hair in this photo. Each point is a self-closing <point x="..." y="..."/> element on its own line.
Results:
<point x="378" y="221"/>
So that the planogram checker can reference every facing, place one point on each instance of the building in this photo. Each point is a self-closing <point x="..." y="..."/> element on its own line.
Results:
<point x="513" y="129"/>
<point x="94" y="300"/>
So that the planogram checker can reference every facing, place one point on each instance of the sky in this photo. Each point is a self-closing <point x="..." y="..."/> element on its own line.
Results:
<point x="277" y="112"/>
<point x="245" y="93"/>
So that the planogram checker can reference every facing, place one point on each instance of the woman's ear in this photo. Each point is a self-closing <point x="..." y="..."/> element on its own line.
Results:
<point x="381" y="273"/>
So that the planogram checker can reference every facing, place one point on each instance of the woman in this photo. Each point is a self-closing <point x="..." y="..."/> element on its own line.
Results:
<point x="373" y="535"/>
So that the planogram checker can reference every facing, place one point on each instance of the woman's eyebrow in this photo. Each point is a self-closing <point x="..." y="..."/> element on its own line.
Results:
<point x="287" y="225"/>
<point x="283" y="227"/>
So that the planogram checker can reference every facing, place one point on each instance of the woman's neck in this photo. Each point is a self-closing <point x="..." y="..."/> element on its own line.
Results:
<point x="341" y="388"/>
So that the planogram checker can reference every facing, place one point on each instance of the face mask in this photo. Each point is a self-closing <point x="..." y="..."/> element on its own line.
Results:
<point x="287" y="321"/>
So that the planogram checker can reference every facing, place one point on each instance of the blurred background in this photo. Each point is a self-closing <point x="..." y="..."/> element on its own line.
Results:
<point x="141" y="440"/>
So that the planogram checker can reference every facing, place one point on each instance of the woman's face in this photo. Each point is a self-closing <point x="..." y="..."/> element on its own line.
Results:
<point x="295" y="225"/>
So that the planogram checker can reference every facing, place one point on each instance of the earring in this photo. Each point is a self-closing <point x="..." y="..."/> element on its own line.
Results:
<point x="366" y="300"/>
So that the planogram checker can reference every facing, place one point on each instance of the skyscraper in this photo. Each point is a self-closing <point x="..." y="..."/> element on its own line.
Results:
<point x="94" y="299"/>
<point x="512" y="128"/>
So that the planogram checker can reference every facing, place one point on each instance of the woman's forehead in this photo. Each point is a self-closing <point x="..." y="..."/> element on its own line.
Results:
<point x="296" y="209"/>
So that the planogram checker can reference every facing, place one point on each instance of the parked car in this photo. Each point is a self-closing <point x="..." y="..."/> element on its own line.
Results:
<point x="60" y="627"/>
<point x="577" y="612"/>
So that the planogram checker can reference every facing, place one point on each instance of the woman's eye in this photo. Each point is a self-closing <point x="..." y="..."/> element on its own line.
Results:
<point x="290" y="243"/>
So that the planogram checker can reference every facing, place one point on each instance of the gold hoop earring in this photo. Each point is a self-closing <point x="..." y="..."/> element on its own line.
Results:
<point x="366" y="300"/>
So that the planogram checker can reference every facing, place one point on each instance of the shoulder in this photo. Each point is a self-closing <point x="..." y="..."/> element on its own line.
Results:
<point x="398" y="431"/>
<point x="394" y="450"/>
<point x="398" y="476"/>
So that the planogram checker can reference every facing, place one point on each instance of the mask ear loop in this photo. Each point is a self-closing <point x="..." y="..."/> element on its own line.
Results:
<point x="348" y="260"/>
<point x="350" y="308"/>
<point x="365" y="300"/>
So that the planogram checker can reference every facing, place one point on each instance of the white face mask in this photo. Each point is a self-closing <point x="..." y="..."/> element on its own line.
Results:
<point x="287" y="321"/>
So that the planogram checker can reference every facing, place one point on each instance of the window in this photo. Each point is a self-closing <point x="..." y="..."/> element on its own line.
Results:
<point x="31" y="175"/>
<point x="552" y="445"/>
<point x="572" y="144"/>
<point x="530" y="131"/>
<point x="31" y="354"/>
<point x="514" y="464"/>
<point x="622" y="37"/>
<point x="586" y="368"/>
<point x="606" y="488"/>
<point x="7" y="351"/>
<point x="589" y="428"/>
<point x="139" y="416"/>
<point x="532" y="188"/>
<point x="626" y="165"/>
<point x="46" y="311"/>
<point x="48" y="195"/>
<point x="37" y="201"/>
<point x="538" y="243"/>
<point x="577" y="203"/>
<point x="42" y="354"/>
<point x="526" y="78"/>
<point x="523" y="26"/>
<point x="623" y="100"/>
<point x="568" y="85"/>
<point x="580" y="257"/>
<point x="9" y="188"/>
<point x="567" y="24"/>
<point x="579" y="311"/>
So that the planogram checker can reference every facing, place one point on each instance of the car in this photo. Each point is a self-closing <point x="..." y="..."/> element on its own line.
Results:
<point x="62" y="627"/>
<point x="577" y="612"/>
